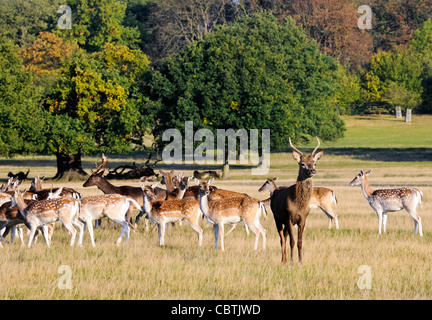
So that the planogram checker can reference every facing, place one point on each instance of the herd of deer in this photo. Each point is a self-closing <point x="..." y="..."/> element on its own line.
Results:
<point x="39" y="209"/>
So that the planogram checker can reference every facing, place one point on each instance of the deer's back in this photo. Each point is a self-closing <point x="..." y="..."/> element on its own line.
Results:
<point x="395" y="199"/>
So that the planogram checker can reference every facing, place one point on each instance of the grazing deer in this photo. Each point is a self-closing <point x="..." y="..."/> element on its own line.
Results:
<point x="290" y="205"/>
<point x="322" y="198"/>
<point x="388" y="200"/>
<point x="231" y="210"/>
<point x="163" y="212"/>
<point x="44" y="212"/>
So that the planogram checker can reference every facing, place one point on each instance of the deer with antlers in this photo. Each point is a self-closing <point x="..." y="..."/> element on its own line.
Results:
<point x="388" y="200"/>
<point x="135" y="193"/>
<point x="290" y="205"/>
<point x="322" y="198"/>
<point x="231" y="210"/>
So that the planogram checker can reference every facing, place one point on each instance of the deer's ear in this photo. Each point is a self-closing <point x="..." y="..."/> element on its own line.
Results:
<point x="297" y="156"/>
<point x="210" y="181"/>
<point x="318" y="155"/>
<point x="367" y="173"/>
<point x="197" y="182"/>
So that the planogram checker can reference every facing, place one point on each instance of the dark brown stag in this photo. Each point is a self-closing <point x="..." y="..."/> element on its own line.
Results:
<point x="97" y="179"/>
<point x="290" y="205"/>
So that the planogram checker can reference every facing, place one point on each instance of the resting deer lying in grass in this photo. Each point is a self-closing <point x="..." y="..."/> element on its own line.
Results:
<point x="44" y="212"/>
<point x="387" y="200"/>
<point x="231" y="210"/>
<point x="290" y="205"/>
<point x="163" y="212"/>
<point x="322" y="198"/>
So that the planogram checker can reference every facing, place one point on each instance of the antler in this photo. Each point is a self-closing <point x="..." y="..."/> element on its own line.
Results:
<point x="294" y="147"/>
<point x="313" y="152"/>
<point x="103" y="164"/>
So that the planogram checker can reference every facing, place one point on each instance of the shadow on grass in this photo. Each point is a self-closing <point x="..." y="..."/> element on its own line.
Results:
<point x="384" y="154"/>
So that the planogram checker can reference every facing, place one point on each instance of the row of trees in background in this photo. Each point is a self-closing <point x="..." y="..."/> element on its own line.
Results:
<point x="130" y="69"/>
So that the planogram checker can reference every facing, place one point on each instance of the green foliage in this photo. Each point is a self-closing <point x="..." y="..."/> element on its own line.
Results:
<point x="94" y="93"/>
<point x="22" y="123"/>
<point x="255" y="73"/>
<point x="394" y="78"/>
<point x="98" y="22"/>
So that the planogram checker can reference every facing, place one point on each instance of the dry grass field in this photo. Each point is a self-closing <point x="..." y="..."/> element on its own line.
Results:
<point x="400" y="262"/>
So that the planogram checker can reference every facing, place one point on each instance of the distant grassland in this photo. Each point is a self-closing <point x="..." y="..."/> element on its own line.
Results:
<point x="401" y="263"/>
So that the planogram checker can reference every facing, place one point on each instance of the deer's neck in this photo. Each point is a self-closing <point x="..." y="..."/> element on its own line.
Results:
<point x="180" y="193"/>
<point x="367" y="190"/>
<point x="147" y="205"/>
<point x="106" y="187"/>
<point x="22" y="205"/>
<point x="204" y="204"/>
<point x="304" y="190"/>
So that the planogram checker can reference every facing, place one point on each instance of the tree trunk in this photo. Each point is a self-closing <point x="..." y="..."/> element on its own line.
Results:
<point x="225" y="171"/>
<point x="69" y="166"/>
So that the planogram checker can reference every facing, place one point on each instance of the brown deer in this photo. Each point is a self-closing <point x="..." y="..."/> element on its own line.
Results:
<point x="97" y="179"/>
<point x="388" y="200"/>
<point x="322" y="198"/>
<point x="290" y="205"/>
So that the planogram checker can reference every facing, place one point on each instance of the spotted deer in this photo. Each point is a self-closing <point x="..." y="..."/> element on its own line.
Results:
<point x="44" y="212"/>
<point x="388" y="200"/>
<point x="322" y="198"/>
<point x="163" y="212"/>
<point x="231" y="210"/>
<point x="290" y="205"/>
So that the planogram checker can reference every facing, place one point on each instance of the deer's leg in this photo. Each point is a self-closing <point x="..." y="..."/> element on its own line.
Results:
<point x="45" y="235"/>
<point x="282" y="236"/>
<point x="222" y="235"/>
<point x="89" y="224"/>
<point x="80" y="226"/>
<point x="288" y="230"/>
<point x="216" y="234"/>
<point x="197" y="229"/>
<point x="417" y="221"/>
<point x="31" y="236"/>
<point x="300" y="241"/>
<point x="161" y="232"/>
<point x="379" y="214"/>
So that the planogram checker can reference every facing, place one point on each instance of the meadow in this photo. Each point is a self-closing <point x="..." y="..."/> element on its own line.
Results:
<point x="400" y="262"/>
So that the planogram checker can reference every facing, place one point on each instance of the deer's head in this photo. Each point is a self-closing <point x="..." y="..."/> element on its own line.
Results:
<point x="358" y="180"/>
<point x="204" y="186"/>
<point x="307" y="163"/>
<point x="149" y="191"/>
<point x="269" y="185"/>
<point x="97" y="174"/>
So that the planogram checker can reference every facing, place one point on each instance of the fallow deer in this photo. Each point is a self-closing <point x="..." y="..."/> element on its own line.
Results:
<point x="42" y="194"/>
<point x="163" y="212"/>
<point x="290" y="205"/>
<point x="388" y="200"/>
<point x="112" y="206"/>
<point x="97" y="179"/>
<point x="44" y="212"/>
<point x="322" y="198"/>
<point x="231" y="210"/>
